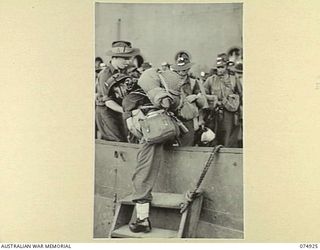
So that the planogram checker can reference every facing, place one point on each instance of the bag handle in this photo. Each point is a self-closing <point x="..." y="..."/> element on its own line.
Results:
<point x="147" y="107"/>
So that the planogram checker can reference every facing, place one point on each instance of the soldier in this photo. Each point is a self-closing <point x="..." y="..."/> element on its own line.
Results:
<point x="108" y="110"/>
<point x="165" y="66"/>
<point x="136" y="105"/>
<point x="193" y="99"/>
<point x="144" y="67"/>
<point x="223" y="103"/>
<point x="98" y="65"/>
<point x="238" y="89"/>
<point x="234" y="55"/>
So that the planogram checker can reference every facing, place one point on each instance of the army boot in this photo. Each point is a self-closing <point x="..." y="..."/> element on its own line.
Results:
<point x="142" y="223"/>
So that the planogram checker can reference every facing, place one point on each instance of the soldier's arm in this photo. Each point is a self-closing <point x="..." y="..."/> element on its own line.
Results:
<point x="102" y="79"/>
<point x="114" y="106"/>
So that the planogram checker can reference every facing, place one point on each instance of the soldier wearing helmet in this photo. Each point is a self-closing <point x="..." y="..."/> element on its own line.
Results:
<point x="193" y="98"/>
<point x="223" y="103"/>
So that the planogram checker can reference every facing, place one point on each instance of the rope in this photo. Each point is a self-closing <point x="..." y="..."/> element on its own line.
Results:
<point x="208" y="164"/>
<point x="190" y="196"/>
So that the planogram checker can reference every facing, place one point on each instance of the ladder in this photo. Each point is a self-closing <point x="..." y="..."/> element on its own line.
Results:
<point x="166" y="219"/>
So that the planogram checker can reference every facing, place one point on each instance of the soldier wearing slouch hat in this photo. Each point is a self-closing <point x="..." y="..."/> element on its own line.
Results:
<point x="108" y="109"/>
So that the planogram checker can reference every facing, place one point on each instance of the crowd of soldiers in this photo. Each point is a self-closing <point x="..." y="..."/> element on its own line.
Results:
<point x="212" y="101"/>
<point x="207" y="111"/>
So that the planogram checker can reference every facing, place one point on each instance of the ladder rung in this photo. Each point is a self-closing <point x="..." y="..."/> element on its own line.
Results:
<point x="124" y="232"/>
<point x="167" y="200"/>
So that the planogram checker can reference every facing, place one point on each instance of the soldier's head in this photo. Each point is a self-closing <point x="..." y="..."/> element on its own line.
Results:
<point x="165" y="66"/>
<point x="203" y="75"/>
<point x="234" y="54"/>
<point x="182" y="73"/>
<point x="182" y="63"/>
<point x="122" y="54"/>
<point x="121" y="62"/>
<point x="222" y="64"/>
<point x="238" y="69"/>
<point x="221" y="70"/>
<point x="145" y="66"/>
<point x="98" y="62"/>
<point x="137" y="61"/>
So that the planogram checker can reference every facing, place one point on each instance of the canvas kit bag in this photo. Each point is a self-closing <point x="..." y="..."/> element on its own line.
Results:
<point x="158" y="126"/>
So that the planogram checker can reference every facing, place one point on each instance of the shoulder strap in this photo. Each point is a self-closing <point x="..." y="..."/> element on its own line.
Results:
<point x="217" y="81"/>
<point x="233" y="81"/>
<point x="169" y="91"/>
<point x="192" y="84"/>
<point x="139" y="93"/>
<point x="163" y="82"/>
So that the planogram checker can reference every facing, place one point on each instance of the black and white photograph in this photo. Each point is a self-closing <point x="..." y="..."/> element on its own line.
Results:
<point x="127" y="124"/>
<point x="168" y="121"/>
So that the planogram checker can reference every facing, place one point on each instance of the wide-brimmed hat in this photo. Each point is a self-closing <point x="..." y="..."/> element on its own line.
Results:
<point x="122" y="49"/>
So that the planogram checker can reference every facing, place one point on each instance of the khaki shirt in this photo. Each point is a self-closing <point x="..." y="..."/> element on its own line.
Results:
<point x="194" y="87"/>
<point x="101" y="86"/>
<point x="190" y="86"/>
<point x="223" y="88"/>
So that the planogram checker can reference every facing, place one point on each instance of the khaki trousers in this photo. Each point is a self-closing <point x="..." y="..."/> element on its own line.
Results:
<point x="148" y="164"/>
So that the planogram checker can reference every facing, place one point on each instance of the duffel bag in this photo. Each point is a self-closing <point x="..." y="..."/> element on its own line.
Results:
<point x="158" y="126"/>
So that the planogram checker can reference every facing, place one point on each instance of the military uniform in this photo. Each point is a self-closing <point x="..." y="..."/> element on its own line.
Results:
<point x="193" y="98"/>
<point x="109" y="122"/>
<point x="189" y="87"/>
<point x="238" y="131"/>
<point x="130" y="105"/>
<point x="221" y="118"/>
<point x="150" y="155"/>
